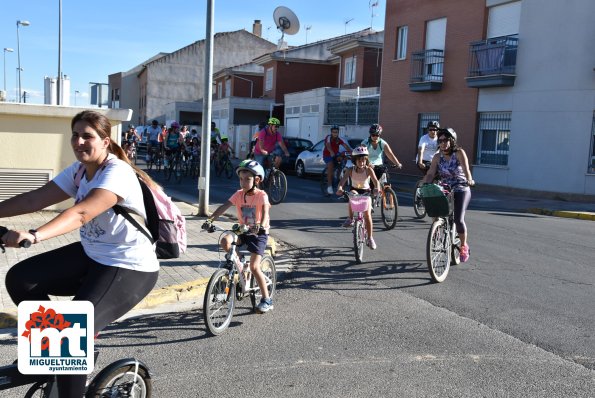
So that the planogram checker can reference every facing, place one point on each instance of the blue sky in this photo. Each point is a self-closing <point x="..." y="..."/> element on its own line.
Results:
<point x="101" y="38"/>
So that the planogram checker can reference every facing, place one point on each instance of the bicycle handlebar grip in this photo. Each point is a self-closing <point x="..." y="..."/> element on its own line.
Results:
<point x="25" y="243"/>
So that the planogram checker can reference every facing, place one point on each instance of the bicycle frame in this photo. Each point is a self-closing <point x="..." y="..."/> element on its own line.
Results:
<point x="360" y="233"/>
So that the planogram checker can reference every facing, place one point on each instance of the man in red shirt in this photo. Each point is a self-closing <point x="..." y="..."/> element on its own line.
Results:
<point x="267" y="141"/>
<point x="332" y="142"/>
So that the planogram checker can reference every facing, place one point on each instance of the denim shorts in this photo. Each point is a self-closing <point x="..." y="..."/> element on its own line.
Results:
<point x="254" y="243"/>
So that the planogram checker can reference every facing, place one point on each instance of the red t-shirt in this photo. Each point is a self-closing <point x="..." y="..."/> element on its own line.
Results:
<point x="335" y="144"/>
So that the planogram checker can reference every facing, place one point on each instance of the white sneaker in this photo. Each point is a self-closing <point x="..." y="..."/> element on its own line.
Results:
<point x="329" y="190"/>
<point x="371" y="244"/>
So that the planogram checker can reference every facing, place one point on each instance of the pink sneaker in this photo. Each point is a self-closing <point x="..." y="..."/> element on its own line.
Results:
<point x="464" y="253"/>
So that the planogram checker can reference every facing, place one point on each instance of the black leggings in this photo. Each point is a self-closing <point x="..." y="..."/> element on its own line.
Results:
<point x="462" y="200"/>
<point x="68" y="271"/>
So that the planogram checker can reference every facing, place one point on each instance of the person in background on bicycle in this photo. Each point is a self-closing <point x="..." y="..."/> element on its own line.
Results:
<point x="114" y="266"/>
<point x="427" y="147"/>
<point x="377" y="147"/>
<point x="268" y="139"/>
<point x="332" y="142"/>
<point x="254" y="140"/>
<point x="225" y="150"/>
<point x="153" y="133"/>
<point x="361" y="175"/>
<point x="252" y="208"/>
<point x="173" y="141"/>
<point x="452" y="166"/>
<point x="131" y="136"/>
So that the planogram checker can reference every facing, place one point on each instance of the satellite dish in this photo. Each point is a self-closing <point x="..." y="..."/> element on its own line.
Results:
<point x="286" y="21"/>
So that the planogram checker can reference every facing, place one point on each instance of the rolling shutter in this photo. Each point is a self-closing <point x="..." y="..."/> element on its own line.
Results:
<point x="17" y="181"/>
<point x="504" y="20"/>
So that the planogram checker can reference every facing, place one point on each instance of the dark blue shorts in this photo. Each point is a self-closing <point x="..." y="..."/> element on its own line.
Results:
<point x="254" y="243"/>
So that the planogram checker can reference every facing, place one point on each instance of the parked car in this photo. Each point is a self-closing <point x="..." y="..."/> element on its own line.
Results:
<point x="310" y="161"/>
<point x="295" y="146"/>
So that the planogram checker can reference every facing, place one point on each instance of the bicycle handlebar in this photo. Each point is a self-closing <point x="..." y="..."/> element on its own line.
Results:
<point x="25" y="243"/>
<point x="236" y="228"/>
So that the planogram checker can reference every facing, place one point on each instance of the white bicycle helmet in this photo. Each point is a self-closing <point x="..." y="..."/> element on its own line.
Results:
<point x="252" y="166"/>
<point x="360" y="151"/>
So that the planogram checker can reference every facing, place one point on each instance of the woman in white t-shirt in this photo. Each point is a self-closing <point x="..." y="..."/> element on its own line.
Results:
<point x="427" y="147"/>
<point x="114" y="266"/>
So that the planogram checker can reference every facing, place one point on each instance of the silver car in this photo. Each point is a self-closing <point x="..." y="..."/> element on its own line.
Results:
<point x="310" y="161"/>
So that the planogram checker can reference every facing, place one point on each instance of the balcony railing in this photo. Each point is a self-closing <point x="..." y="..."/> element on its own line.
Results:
<point x="427" y="68"/>
<point x="492" y="62"/>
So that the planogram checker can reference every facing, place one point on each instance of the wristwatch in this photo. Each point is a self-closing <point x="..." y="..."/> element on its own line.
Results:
<point x="35" y="235"/>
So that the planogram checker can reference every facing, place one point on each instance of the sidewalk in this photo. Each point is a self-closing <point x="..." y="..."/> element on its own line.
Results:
<point x="180" y="279"/>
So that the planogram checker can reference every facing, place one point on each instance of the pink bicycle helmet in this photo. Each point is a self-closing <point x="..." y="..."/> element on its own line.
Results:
<point x="175" y="124"/>
<point x="360" y="151"/>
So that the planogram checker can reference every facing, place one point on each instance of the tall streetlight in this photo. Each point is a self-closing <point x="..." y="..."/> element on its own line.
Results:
<point x="19" y="23"/>
<point x="75" y="94"/>
<point x="6" y="50"/>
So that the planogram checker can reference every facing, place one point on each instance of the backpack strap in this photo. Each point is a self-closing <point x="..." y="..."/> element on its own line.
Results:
<point x="79" y="175"/>
<point x="150" y="209"/>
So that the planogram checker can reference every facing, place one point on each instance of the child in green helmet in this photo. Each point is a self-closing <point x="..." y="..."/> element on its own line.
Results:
<point x="252" y="207"/>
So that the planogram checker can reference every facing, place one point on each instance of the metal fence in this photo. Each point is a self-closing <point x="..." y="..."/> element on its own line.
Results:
<point x="427" y="66"/>
<point x="494" y="138"/>
<point x="493" y="56"/>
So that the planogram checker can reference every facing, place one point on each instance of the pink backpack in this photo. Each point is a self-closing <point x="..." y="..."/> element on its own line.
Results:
<point x="166" y="225"/>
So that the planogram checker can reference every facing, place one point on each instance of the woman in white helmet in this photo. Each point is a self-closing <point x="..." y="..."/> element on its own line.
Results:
<point x="361" y="175"/>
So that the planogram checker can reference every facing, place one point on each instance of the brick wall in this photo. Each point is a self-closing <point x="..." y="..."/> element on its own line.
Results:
<point x="455" y="102"/>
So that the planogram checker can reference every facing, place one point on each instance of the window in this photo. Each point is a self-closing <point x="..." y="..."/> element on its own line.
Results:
<point x="349" y="70"/>
<point x="592" y="162"/>
<point x="268" y="84"/>
<point x="228" y="88"/>
<point x="423" y="120"/>
<point x="401" y="42"/>
<point x="494" y="138"/>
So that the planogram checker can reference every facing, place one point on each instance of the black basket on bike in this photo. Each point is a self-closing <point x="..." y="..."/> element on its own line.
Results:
<point x="437" y="202"/>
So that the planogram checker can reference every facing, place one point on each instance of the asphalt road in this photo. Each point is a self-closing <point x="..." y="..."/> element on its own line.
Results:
<point x="517" y="320"/>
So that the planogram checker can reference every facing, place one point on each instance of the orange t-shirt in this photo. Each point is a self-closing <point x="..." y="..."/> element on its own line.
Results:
<point x="249" y="208"/>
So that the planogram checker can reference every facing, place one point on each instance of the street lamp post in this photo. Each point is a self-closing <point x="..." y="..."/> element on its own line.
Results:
<point x="16" y="94"/>
<point x="19" y="23"/>
<point x="75" y="93"/>
<point x="6" y="50"/>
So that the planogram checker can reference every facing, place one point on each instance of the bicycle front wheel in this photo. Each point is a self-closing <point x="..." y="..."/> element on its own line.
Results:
<point x="219" y="302"/>
<point x="456" y="249"/>
<point x="324" y="183"/>
<point x="438" y="250"/>
<point x="168" y="170"/>
<point x="124" y="381"/>
<point x="277" y="187"/>
<point x="389" y="208"/>
<point x="178" y="171"/>
<point x="418" y="203"/>
<point x="267" y="266"/>
<point x="359" y="237"/>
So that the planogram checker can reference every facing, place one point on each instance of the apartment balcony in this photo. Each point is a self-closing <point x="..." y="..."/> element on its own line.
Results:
<point x="492" y="62"/>
<point x="427" y="68"/>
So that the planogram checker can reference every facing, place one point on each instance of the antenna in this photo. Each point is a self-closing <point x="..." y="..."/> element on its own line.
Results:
<point x="346" y="22"/>
<point x="287" y="22"/>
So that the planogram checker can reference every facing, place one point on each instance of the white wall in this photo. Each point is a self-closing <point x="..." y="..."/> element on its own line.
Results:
<point x="552" y="101"/>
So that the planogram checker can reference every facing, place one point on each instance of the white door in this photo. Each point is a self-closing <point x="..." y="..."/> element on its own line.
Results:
<point x="292" y="127"/>
<point x="309" y="129"/>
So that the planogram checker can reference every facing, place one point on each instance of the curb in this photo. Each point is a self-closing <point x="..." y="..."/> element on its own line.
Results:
<point x="580" y="215"/>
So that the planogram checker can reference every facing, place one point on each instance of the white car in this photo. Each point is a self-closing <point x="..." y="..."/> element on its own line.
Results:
<point x="310" y="161"/>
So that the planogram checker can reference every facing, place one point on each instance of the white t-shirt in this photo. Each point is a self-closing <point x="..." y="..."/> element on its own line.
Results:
<point x="110" y="239"/>
<point x="429" y="145"/>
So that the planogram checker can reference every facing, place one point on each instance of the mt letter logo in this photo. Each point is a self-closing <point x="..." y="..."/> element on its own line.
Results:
<point x="55" y="337"/>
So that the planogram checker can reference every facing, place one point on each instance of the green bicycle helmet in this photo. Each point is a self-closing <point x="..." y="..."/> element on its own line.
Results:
<point x="274" y="121"/>
<point x="252" y="166"/>
<point x="224" y="138"/>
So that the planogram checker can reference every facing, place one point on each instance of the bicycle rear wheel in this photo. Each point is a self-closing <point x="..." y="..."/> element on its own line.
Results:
<point x="456" y="250"/>
<point x="41" y="389"/>
<point x="277" y="187"/>
<point x="418" y="203"/>
<point x="438" y="250"/>
<point x="389" y="208"/>
<point x="219" y="302"/>
<point x="359" y="238"/>
<point x="228" y="169"/>
<point x="267" y="266"/>
<point x="123" y="381"/>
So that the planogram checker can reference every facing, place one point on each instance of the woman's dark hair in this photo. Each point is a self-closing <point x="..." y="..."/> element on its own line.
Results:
<point x="453" y="143"/>
<point x="101" y="124"/>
